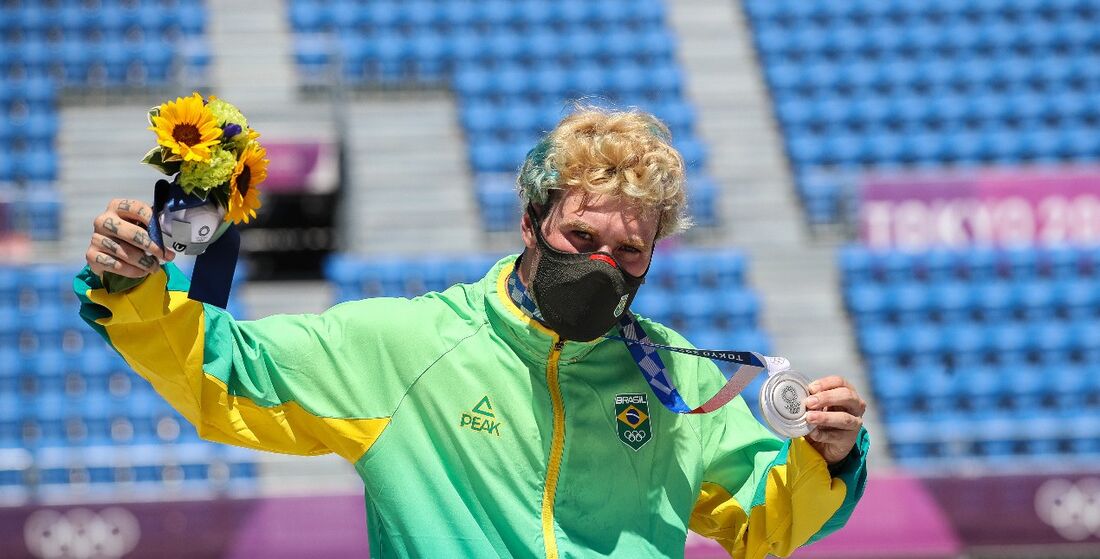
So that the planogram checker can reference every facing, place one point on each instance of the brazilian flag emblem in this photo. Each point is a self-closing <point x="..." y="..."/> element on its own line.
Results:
<point x="632" y="420"/>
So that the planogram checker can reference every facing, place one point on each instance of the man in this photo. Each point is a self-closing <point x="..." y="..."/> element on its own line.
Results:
<point x="493" y="419"/>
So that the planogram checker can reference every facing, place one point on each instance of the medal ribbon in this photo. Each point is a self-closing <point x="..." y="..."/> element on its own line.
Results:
<point x="749" y="363"/>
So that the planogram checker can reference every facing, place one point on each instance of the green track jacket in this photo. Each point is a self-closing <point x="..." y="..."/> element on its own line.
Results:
<point x="477" y="433"/>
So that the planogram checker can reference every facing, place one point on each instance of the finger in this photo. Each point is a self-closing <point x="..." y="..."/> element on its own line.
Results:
<point x="827" y="383"/>
<point x="100" y="262"/>
<point x="125" y="252"/>
<point x="843" y="398"/>
<point x="131" y="210"/>
<point x="834" y="419"/>
<point x="824" y="435"/>
<point x="111" y="225"/>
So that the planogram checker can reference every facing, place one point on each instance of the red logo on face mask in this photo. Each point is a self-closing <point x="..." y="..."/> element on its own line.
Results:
<point x="604" y="258"/>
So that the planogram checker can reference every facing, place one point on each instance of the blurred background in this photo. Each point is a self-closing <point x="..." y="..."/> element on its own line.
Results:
<point x="905" y="192"/>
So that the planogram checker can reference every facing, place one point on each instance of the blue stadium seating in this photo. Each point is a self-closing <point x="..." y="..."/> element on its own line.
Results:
<point x="75" y="46"/>
<point x="75" y="418"/>
<point x="513" y="66"/>
<point x="993" y="345"/>
<point x="862" y="85"/>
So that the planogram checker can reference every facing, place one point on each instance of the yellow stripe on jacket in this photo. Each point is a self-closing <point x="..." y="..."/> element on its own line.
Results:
<point x="161" y="336"/>
<point x="800" y="496"/>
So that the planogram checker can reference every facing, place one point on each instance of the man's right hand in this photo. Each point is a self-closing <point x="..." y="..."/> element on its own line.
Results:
<point x="120" y="243"/>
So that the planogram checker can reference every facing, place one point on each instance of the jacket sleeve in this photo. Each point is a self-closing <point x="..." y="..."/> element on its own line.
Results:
<point x="763" y="496"/>
<point x="297" y="384"/>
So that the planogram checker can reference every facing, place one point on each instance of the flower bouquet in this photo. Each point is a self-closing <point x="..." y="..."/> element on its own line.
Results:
<point x="217" y="163"/>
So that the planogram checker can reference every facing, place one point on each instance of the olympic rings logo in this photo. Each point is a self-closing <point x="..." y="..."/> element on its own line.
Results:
<point x="634" y="436"/>
<point x="1073" y="509"/>
<point x="81" y="533"/>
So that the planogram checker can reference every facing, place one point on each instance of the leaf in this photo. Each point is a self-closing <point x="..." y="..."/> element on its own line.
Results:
<point x="200" y="193"/>
<point x="155" y="158"/>
<point x="115" y="283"/>
<point x="152" y="157"/>
<point x="155" y="111"/>
<point x="221" y="195"/>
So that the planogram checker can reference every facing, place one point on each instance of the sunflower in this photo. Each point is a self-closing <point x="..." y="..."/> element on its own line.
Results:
<point x="187" y="127"/>
<point x="244" y="197"/>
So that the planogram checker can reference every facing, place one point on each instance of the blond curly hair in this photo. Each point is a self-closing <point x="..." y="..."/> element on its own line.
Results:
<point x="626" y="154"/>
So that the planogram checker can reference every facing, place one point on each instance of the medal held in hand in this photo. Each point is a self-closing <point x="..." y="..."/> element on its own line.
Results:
<point x="216" y="164"/>
<point x="782" y="403"/>
<point x="782" y="396"/>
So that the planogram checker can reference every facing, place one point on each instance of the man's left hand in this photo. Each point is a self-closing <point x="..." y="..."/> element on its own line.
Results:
<point x="836" y="410"/>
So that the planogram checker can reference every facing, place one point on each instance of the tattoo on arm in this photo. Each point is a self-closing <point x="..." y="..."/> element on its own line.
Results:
<point x="110" y="225"/>
<point x="147" y="261"/>
<point x="106" y="260"/>
<point x="110" y="245"/>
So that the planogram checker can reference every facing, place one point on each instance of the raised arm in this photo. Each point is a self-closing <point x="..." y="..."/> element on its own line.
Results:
<point x="299" y="384"/>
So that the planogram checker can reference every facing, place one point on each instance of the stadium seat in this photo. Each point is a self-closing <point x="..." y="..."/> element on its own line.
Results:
<point x="936" y="73"/>
<point x="909" y="301"/>
<point x="524" y="59"/>
<point x="984" y="386"/>
<point x="1028" y="386"/>
<point x="66" y="402"/>
<point x="1016" y="331"/>
<point x="1082" y="432"/>
<point x="1036" y="299"/>
<point x="963" y="339"/>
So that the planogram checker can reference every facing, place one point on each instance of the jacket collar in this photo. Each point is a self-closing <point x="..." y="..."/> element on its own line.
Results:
<point x="520" y="294"/>
<point x="521" y="331"/>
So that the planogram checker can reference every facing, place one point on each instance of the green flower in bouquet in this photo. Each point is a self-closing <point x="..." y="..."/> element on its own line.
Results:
<point x="199" y="177"/>
<point x="226" y="113"/>
<point x="231" y="121"/>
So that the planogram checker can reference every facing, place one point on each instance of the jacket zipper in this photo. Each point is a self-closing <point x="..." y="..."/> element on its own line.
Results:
<point x="557" y="444"/>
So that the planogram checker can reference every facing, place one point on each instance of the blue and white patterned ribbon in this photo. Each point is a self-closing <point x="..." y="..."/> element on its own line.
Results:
<point x="749" y="363"/>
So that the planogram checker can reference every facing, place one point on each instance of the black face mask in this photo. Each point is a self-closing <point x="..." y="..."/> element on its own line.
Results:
<point x="580" y="295"/>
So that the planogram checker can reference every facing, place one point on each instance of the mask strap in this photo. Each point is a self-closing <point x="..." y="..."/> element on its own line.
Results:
<point x="536" y="224"/>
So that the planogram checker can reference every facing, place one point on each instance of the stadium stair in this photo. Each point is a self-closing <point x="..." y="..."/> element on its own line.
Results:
<point x="512" y="65"/>
<point x="793" y="271"/>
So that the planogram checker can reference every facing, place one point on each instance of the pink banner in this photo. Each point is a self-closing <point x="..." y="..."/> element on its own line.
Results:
<point x="273" y="528"/>
<point x="1047" y="206"/>
<point x="1055" y="510"/>
<point x="335" y="526"/>
<point x="301" y="167"/>
<point x="897" y="517"/>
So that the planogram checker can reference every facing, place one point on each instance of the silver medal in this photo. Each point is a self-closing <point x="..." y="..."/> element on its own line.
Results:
<point x="782" y="403"/>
